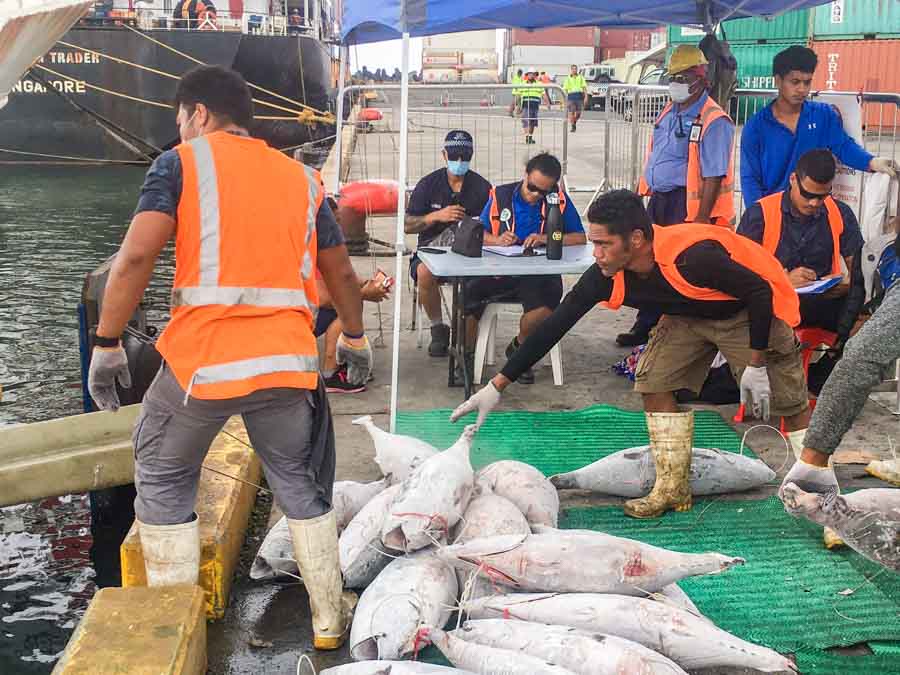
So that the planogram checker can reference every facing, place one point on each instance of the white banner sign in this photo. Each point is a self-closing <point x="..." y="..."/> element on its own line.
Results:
<point x="848" y="182"/>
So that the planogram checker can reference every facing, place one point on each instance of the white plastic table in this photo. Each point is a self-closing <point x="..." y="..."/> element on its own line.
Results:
<point x="457" y="268"/>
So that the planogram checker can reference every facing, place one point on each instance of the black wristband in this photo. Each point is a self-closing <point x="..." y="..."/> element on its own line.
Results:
<point x="107" y="342"/>
<point x="354" y="337"/>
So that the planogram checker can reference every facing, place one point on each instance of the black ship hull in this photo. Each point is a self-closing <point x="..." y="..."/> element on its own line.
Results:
<point x="60" y="112"/>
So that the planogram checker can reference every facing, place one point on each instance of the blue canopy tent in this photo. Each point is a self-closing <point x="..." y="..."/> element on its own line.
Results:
<point x="373" y="21"/>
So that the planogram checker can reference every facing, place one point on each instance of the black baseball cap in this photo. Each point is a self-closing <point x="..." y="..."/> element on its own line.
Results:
<point x="459" y="145"/>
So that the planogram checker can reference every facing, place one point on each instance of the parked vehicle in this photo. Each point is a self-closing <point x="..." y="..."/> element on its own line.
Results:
<point x="598" y="77"/>
<point x="650" y="105"/>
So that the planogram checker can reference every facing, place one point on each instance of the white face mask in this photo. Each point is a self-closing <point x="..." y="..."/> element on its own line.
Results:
<point x="679" y="91"/>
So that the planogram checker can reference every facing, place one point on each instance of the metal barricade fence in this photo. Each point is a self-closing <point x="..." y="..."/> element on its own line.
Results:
<point x="500" y="149"/>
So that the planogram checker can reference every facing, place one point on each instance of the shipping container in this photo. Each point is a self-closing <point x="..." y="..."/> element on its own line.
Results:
<point x="607" y="53"/>
<point x="626" y="38"/>
<point x="473" y="39"/>
<point x="440" y="75"/>
<point x="480" y="76"/>
<point x="786" y="27"/>
<point x="534" y="55"/>
<point x="553" y="37"/>
<point x="439" y="57"/>
<point x="480" y="58"/>
<point x="857" y="19"/>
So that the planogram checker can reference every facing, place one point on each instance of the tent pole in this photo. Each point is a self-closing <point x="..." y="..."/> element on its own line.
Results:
<point x="343" y="62"/>
<point x="401" y="217"/>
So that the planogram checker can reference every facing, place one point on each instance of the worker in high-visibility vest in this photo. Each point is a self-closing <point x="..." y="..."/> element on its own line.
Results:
<point x="250" y="228"/>
<point x="575" y="87"/>
<point x="516" y="105"/>
<point x="531" y="95"/>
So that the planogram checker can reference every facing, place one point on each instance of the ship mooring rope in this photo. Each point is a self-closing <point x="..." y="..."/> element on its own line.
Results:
<point x="67" y="157"/>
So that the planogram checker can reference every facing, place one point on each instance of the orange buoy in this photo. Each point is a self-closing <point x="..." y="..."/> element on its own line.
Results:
<point x="373" y="197"/>
<point x="369" y="115"/>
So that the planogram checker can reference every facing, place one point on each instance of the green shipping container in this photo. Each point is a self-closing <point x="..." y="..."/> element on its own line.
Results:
<point x="789" y="26"/>
<point x="857" y="20"/>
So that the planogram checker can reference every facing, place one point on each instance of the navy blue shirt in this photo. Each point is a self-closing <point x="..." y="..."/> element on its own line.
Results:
<point x="528" y="216"/>
<point x="433" y="192"/>
<point x="161" y="192"/>
<point x="805" y="242"/>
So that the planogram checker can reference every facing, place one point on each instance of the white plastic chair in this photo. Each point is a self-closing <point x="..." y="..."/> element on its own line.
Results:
<point x="485" y="345"/>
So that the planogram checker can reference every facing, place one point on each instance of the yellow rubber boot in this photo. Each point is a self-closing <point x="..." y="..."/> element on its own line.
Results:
<point x="316" y="549"/>
<point x="671" y="442"/>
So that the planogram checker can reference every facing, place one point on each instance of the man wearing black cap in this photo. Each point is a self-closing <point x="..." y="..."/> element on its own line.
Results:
<point x="439" y="200"/>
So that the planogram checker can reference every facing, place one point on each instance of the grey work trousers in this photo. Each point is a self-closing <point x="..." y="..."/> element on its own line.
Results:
<point x="868" y="353"/>
<point x="171" y="440"/>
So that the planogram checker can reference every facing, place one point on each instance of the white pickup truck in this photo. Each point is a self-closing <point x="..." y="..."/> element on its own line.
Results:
<point x="598" y="76"/>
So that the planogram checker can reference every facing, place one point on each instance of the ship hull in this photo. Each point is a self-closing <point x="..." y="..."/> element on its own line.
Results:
<point x="59" y="111"/>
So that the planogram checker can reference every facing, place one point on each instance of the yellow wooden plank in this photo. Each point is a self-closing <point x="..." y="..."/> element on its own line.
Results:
<point x="223" y="508"/>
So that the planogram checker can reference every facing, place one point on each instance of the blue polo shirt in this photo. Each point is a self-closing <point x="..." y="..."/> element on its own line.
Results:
<point x="769" y="150"/>
<point x="528" y="216"/>
<point x="666" y="168"/>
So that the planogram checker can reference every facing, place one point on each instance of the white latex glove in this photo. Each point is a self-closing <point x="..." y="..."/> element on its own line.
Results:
<point x="809" y="478"/>
<point x="108" y="364"/>
<point x="356" y="353"/>
<point x="756" y="391"/>
<point x="883" y="165"/>
<point x="484" y="402"/>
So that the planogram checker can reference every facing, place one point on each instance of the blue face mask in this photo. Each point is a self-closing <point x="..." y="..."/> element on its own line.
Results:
<point x="457" y="167"/>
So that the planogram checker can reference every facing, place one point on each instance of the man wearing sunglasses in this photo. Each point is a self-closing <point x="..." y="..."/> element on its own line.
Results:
<point x="516" y="215"/>
<point x="812" y="233"/>
<point x="688" y="172"/>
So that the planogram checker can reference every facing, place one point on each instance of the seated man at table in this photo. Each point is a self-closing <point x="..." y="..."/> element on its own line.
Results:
<point x="515" y="215"/>
<point x="810" y="232"/>
<point x="439" y="200"/>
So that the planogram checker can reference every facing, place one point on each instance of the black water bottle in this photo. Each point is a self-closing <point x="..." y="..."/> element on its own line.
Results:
<point x="554" y="228"/>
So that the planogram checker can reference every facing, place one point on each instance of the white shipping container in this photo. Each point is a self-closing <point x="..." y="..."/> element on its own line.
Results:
<point x="435" y="58"/>
<point x="440" y="76"/>
<point x="480" y="76"/>
<point x="534" y="55"/>
<point x="481" y="58"/>
<point x="473" y="39"/>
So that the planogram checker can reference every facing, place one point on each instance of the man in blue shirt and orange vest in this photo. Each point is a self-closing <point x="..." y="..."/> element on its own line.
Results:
<point x="775" y="137"/>
<point x="515" y="214"/>
<point x="250" y="230"/>
<point x="718" y="291"/>
<point x="689" y="169"/>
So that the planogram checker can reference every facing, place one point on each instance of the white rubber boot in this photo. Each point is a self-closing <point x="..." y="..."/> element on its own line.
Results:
<point x="795" y="438"/>
<point x="171" y="553"/>
<point x="316" y="549"/>
<point x="671" y="443"/>
<point x="830" y="538"/>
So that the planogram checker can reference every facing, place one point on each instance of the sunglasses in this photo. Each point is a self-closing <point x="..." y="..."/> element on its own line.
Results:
<point x="534" y="189"/>
<point x="809" y="196"/>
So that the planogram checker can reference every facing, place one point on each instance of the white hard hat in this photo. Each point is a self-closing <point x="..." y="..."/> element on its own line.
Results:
<point x="531" y="69"/>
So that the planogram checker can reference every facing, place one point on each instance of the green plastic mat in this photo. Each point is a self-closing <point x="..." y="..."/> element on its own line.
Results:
<point x="828" y="663"/>
<point x="556" y="442"/>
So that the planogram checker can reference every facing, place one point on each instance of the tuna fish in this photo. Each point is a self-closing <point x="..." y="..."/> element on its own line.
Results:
<point x="867" y="520"/>
<point x="393" y="668"/>
<point x="580" y="561"/>
<point x="581" y="652"/>
<point x="275" y="558"/>
<point x="524" y="486"/>
<point x="487" y="515"/>
<point x="411" y="592"/>
<point x="361" y="553"/>
<point x="396" y="455"/>
<point x="631" y="473"/>
<point x="490" y="660"/>
<point x="690" y="641"/>
<point x="432" y="498"/>
<point x="675" y="595"/>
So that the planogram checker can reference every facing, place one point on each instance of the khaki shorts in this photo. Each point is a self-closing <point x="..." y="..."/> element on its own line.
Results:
<point x="681" y="350"/>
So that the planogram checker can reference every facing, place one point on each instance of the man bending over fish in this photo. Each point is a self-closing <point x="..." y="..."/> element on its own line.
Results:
<point x="718" y="292"/>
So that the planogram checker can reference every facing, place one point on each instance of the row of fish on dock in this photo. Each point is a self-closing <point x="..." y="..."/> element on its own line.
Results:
<point x="434" y="538"/>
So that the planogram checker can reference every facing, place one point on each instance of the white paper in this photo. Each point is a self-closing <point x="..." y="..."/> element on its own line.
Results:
<point x="513" y="251"/>
<point x="819" y="286"/>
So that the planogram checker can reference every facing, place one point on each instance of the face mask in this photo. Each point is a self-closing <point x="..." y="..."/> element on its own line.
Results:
<point x="679" y="91"/>
<point x="457" y="167"/>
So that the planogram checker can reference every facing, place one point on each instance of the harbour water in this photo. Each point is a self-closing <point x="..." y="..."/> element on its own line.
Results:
<point x="56" y="224"/>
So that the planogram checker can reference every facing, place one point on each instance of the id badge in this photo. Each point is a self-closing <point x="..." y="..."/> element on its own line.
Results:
<point x="695" y="132"/>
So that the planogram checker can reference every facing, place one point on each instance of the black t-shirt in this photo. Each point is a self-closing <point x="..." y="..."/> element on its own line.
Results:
<point x="433" y="192"/>
<point x="705" y="264"/>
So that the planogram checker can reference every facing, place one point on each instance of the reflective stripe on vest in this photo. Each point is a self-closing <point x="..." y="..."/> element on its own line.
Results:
<point x="723" y="207"/>
<point x="773" y="220"/>
<point x="505" y="201"/>
<point x="245" y="266"/>
<point x="670" y="242"/>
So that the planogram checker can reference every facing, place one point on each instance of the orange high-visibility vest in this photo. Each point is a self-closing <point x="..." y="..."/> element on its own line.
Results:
<point x="502" y="200"/>
<point x="244" y="296"/>
<point x="670" y="242"/>
<point x="772" y="221"/>
<point x="723" y="208"/>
